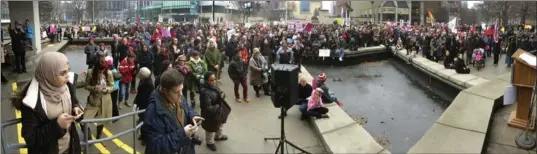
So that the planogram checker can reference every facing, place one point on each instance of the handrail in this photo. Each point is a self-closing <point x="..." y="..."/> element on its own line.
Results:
<point x="85" y="142"/>
<point x="114" y="136"/>
<point x="112" y="118"/>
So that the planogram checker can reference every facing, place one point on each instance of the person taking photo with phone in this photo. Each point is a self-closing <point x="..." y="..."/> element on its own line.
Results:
<point x="170" y="124"/>
<point x="100" y="84"/>
<point x="49" y="108"/>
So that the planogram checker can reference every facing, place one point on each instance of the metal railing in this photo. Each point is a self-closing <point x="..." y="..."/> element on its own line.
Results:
<point x="84" y="125"/>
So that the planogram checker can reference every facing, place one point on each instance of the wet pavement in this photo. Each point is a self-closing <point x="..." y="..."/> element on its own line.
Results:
<point x="390" y="99"/>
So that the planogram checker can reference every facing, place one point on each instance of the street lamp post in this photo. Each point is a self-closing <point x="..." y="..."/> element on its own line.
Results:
<point x="286" y="10"/>
<point x="373" y="14"/>
<point x="214" y="21"/>
<point x="93" y="11"/>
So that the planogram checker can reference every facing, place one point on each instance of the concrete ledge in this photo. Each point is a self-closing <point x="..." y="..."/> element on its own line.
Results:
<point x="445" y="139"/>
<point x="438" y="71"/>
<point x="463" y="126"/>
<point x="468" y="111"/>
<point x="340" y="133"/>
<point x="475" y="82"/>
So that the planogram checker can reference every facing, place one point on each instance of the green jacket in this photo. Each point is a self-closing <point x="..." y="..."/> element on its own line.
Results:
<point x="212" y="58"/>
<point x="194" y="79"/>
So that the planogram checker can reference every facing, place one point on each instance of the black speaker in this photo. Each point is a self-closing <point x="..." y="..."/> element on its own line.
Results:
<point x="284" y="79"/>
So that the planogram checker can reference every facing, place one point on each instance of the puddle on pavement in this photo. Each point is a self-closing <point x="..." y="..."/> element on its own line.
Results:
<point x="389" y="102"/>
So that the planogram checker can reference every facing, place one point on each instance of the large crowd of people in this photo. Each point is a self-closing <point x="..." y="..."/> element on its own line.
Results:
<point x="187" y="60"/>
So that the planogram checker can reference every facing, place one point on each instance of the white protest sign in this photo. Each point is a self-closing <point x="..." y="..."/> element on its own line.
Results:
<point x="298" y="25"/>
<point x="324" y="52"/>
<point x="291" y="27"/>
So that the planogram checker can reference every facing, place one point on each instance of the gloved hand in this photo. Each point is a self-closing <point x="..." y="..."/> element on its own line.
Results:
<point x="190" y="130"/>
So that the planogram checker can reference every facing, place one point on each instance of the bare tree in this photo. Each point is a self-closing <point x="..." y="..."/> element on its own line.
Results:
<point x="79" y="7"/>
<point x="495" y="10"/>
<point x="57" y="11"/>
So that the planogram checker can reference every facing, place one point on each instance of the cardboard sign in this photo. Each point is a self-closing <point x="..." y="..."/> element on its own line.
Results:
<point x="324" y="52"/>
<point x="291" y="27"/>
<point x="298" y="26"/>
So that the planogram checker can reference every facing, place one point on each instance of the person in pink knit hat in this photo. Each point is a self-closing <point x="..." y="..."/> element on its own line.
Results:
<point x="326" y="96"/>
<point x="314" y="107"/>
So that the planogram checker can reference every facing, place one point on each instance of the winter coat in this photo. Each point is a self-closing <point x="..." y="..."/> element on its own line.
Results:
<point x="157" y="63"/>
<point x="258" y="68"/>
<point x="145" y="87"/>
<point x="126" y="68"/>
<point x="40" y="133"/>
<point x="304" y="91"/>
<point x="173" y="55"/>
<point x="29" y="32"/>
<point x="285" y="56"/>
<point x="122" y="51"/>
<point x="91" y="53"/>
<point x="145" y="59"/>
<point x="99" y="103"/>
<point x="512" y="47"/>
<point x="212" y="58"/>
<point x="163" y="132"/>
<point x="214" y="108"/>
<point x="236" y="70"/>
<point x="197" y="71"/>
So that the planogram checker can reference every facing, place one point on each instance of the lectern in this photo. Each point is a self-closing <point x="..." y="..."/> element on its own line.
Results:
<point x="523" y="79"/>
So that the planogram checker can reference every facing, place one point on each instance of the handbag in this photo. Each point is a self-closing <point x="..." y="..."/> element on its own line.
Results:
<point x="224" y="110"/>
<point x="117" y="75"/>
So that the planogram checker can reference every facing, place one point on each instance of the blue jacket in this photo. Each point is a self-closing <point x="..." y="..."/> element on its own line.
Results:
<point x="163" y="133"/>
<point x="29" y="32"/>
<point x="116" y="82"/>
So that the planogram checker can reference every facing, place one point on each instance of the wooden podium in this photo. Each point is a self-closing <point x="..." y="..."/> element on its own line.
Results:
<point x="523" y="79"/>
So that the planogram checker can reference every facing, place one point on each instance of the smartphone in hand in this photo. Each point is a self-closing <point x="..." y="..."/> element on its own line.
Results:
<point x="198" y="122"/>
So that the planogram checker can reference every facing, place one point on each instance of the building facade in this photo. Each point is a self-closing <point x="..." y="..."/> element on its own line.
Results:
<point x="189" y="11"/>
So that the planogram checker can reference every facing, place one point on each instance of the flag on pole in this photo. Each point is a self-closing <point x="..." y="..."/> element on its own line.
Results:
<point x="430" y="16"/>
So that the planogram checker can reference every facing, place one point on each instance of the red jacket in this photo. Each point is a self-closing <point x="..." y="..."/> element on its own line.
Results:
<point x="127" y="71"/>
<point x="244" y="56"/>
<point x="156" y="36"/>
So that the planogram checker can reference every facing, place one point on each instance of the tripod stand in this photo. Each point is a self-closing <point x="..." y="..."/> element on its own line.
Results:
<point x="282" y="138"/>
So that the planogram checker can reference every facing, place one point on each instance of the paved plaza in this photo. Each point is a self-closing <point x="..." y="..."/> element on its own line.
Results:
<point x="247" y="125"/>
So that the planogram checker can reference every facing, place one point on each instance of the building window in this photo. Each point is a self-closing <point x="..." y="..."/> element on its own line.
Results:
<point x="304" y="6"/>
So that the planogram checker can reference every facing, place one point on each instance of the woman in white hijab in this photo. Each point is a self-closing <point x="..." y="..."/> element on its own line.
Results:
<point x="49" y="108"/>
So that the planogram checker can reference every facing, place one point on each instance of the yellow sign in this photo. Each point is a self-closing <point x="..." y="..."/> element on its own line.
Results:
<point x="339" y="21"/>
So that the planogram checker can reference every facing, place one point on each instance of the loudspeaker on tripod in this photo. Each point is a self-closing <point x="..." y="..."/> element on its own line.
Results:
<point x="284" y="85"/>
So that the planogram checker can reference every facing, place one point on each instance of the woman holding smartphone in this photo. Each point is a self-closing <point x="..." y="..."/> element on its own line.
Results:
<point x="100" y="84"/>
<point x="49" y="108"/>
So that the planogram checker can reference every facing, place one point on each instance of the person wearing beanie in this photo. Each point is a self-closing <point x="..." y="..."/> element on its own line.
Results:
<point x="91" y="53"/>
<point x="102" y="49"/>
<point x="145" y="87"/>
<point x="320" y="83"/>
<point x="117" y="77"/>
<point x="259" y="73"/>
<point x="314" y="106"/>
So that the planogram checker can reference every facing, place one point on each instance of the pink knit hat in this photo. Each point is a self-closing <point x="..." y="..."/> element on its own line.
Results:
<point x="322" y="77"/>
